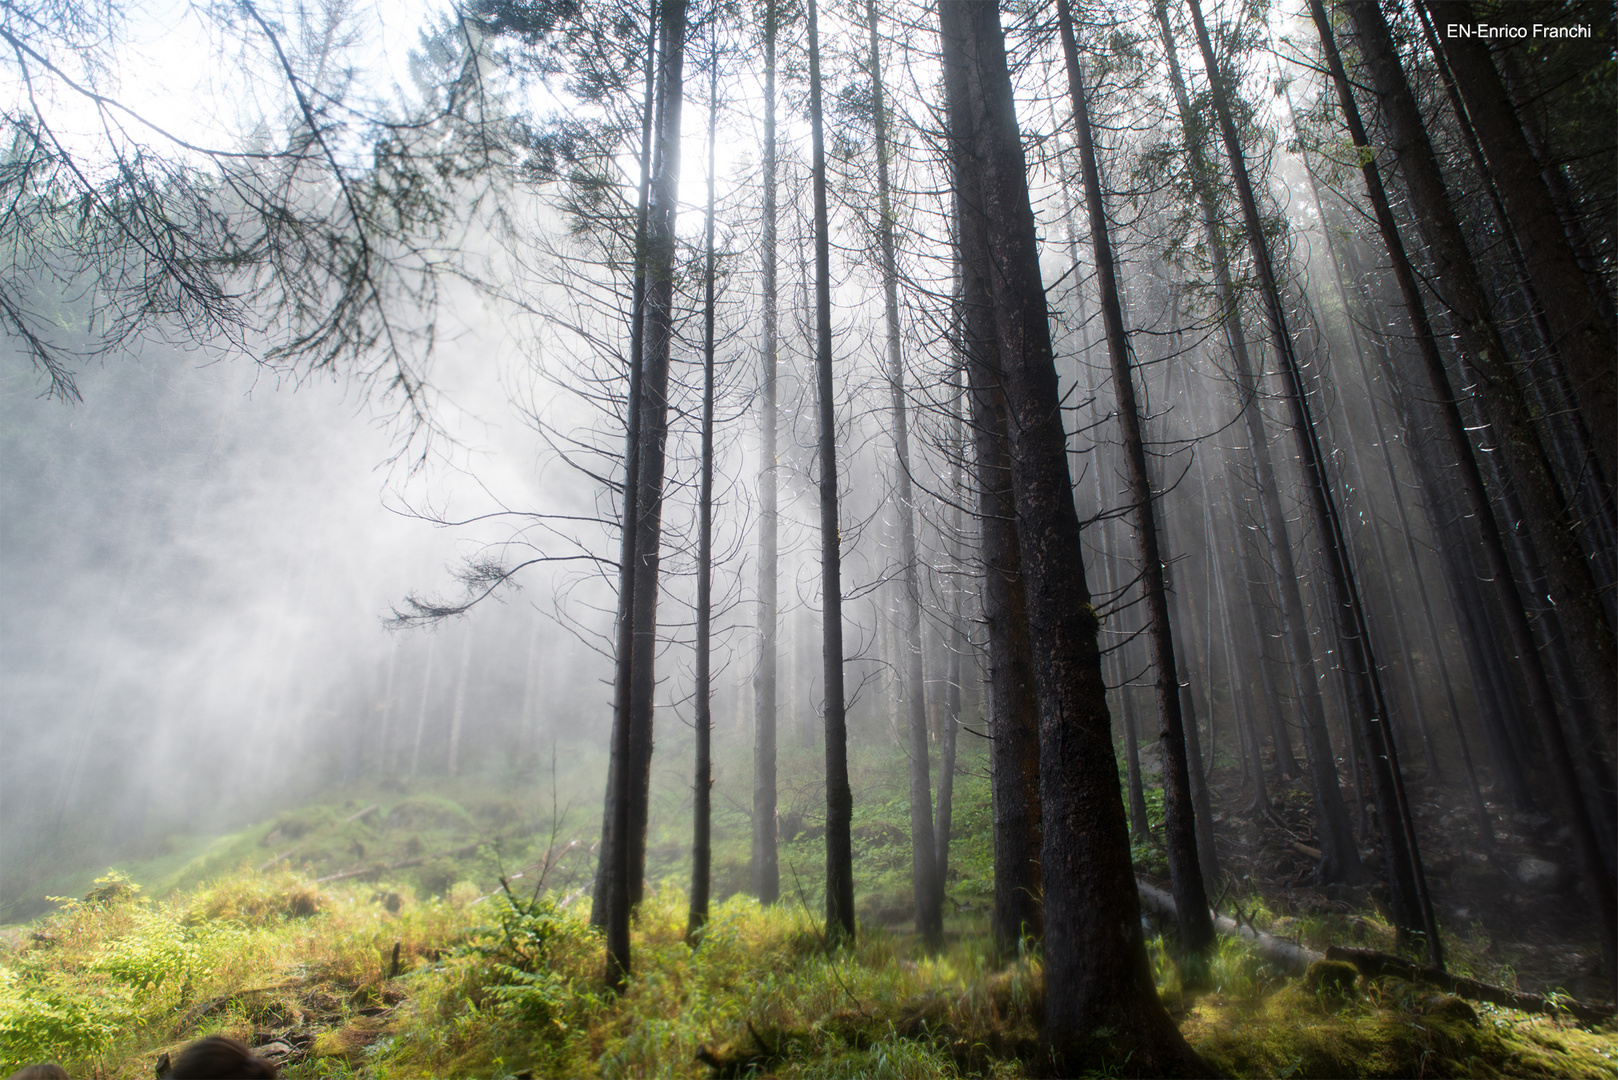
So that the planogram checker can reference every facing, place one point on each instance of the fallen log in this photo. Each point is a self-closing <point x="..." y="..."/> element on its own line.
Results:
<point x="1372" y="964"/>
<point x="383" y="868"/>
<point x="197" y="1012"/>
<point x="1295" y="959"/>
<point x="285" y="854"/>
<point x="1289" y="956"/>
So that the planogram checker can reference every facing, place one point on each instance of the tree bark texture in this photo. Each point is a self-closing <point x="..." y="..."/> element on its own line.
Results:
<point x="839" y="797"/>
<point x="1012" y="703"/>
<point x="765" y="866"/>
<point x="1179" y="815"/>
<point x="611" y="907"/>
<point x="1100" y="1002"/>
<point x="702" y="786"/>
<point x="928" y="887"/>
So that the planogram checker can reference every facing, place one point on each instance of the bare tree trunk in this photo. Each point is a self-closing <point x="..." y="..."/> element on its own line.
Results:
<point x="839" y="797"/>
<point x="1013" y="706"/>
<point x="923" y="846"/>
<point x="1179" y="814"/>
<point x="610" y="909"/>
<point x="1099" y="997"/>
<point x="660" y="254"/>
<point x="765" y="867"/>
<point x="954" y="641"/>
<point x="458" y="713"/>
<point x="702" y="786"/>
<point x="1434" y="772"/>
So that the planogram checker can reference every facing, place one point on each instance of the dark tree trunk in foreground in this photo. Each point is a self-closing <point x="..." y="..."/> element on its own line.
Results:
<point x="839" y="797"/>
<point x="1426" y="186"/>
<point x="928" y="887"/>
<point x="765" y="869"/>
<point x="1012" y="704"/>
<point x="1339" y="854"/>
<point x="1356" y="659"/>
<point x="611" y="907"/>
<point x="702" y="787"/>
<point x="1101" y="1007"/>
<point x="654" y="430"/>
<point x="1179" y="816"/>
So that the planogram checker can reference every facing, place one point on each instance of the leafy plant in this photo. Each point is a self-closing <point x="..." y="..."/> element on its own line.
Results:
<point x="160" y="947"/>
<point x="45" y="1015"/>
<point x="517" y="951"/>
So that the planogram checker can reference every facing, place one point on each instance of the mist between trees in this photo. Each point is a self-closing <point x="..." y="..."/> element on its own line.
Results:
<point x="1249" y="368"/>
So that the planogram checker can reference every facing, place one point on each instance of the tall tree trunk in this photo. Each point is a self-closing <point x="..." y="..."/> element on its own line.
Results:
<point x="1100" y="1002"/>
<point x="702" y="787"/>
<point x="1352" y="329"/>
<point x="1411" y="906"/>
<point x="1013" y="706"/>
<point x="1339" y="854"/>
<point x="1179" y="814"/>
<point x="923" y="847"/>
<point x="839" y="796"/>
<point x="452" y="760"/>
<point x="384" y="741"/>
<point x="765" y="868"/>
<point x="660" y="252"/>
<point x="421" y="709"/>
<point x="611" y="907"/>
<point x="954" y="638"/>
<point x="1481" y="341"/>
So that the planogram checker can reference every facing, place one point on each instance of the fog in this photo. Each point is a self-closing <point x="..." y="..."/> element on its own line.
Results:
<point x="196" y="563"/>
<point x="240" y="572"/>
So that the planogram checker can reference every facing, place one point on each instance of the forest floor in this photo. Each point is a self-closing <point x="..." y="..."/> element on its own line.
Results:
<point x="1510" y="913"/>
<point x="370" y="937"/>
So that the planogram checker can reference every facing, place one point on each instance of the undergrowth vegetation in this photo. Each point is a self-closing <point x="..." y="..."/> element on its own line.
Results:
<point x="372" y="980"/>
<point x="438" y="931"/>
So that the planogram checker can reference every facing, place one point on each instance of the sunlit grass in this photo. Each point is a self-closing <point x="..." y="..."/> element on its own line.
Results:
<point x="501" y="985"/>
<point x="495" y="984"/>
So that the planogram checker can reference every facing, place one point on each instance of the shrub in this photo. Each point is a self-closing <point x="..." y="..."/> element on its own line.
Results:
<point x="45" y="1015"/>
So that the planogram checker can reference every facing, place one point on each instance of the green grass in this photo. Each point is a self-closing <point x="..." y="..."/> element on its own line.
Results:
<point x="499" y="985"/>
<point x="222" y="935"/>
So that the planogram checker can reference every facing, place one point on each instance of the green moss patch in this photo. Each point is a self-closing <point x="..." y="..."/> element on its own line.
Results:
<point x="1392" y="1029"/>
